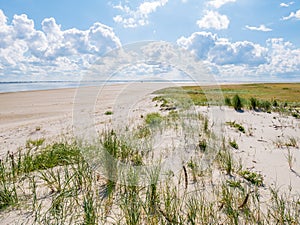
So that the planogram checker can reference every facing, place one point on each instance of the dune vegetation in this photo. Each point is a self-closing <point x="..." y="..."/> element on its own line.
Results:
<point x="55" y="184"/>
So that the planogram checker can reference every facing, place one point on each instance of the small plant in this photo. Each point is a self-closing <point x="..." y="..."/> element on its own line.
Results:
<point x="153" y="119"/>
<point x="143" y="132"/>
<point x="239" y="127"/>
<point x="226" y="161"/>
<point x="265" y="105"/>
<point x="252" y="177"/>
<point x="292" y="142"/>
<point x="234" y="184"/>
<point x="202" y="145"/>
<point x="290" y="159"/>
<point x="253" y="103"/>
<point x="275" y="103"/>
<point x="131" y="204"/>
<point x="193" y="166"/>
<point x="89" y="210"/>
<point x="233" y="144"/>
<point x="193" y="208"/>
<point x="237" y="102"/>
<point x="228" y="204"/>
<point x="228" y="101"/>
<point x="205" y="126"/>
<point x="8" y="196"/>
<point x="58" y="154"/>
<point x="296" y="115"/>
<point x="108" y="113"/>
<point x="34" y="143"/>
<point x="163" y="100"/>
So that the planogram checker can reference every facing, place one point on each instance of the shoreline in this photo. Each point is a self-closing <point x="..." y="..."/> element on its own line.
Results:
<point x="181" y="83"/>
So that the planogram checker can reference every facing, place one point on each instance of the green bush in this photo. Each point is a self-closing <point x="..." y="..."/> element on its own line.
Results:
<point x="237" y="102"/>
<point x="202" y="145"/>
<point x="58" y="154"/>
<point x="108" y="113"/>
<point x="233" y="144"/>
<point x="265" y="105"/>
<point x="227" y="101"/>
<point x="253" y="103"/>
<point x="153" y="119"/>
<point x="252" y="177"/>
<point x="275" y="103"/>
<point x="239" y="127"/>
<point x="296" y="115"/>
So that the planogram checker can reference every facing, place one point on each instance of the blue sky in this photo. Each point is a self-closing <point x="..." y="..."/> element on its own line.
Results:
<point x="237" y="39"/>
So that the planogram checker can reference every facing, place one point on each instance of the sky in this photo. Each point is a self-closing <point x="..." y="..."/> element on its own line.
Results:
<point x="237" y="39"/>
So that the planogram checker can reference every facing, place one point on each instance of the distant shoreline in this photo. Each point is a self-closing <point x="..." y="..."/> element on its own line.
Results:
<point x="30" y="86"/>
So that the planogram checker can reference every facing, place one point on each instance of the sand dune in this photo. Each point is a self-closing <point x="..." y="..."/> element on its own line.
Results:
<point x="265" y="145"/>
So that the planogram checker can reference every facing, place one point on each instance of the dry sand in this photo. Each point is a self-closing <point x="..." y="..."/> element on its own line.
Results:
<point x="48" y="114"/>
<point x="259" y="150"/>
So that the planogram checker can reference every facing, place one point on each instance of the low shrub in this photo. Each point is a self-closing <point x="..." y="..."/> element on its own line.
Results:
<point x="153" y="119"/>
<point x="253" y="103"/>
<point x="252" y="177"/>
<point x="227" y="101"/>
<point x="237" y="102"/>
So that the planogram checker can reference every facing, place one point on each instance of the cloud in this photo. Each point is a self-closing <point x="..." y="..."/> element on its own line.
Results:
<point x="6" y="37"/>
<point x="3" y="19"/>
<point x="286" y="4"/>
<point x="199" y="43"/>
<point x="292" y="15"/>
<point x="283" y="57"/>
<point x="140" y="16"/>
<point x="219" y="3"/>
<point x="260" y="28"/>
<point x="213" y="20"/>
<point x="237" y="53"/>
<point x="23" y="26"/>
<point x="243" y="59"/>
<point x="26" y="51"/>
<point x="221" y="51"/>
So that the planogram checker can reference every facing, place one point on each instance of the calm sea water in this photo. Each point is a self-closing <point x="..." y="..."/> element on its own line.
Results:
<point x="17" y="86"/>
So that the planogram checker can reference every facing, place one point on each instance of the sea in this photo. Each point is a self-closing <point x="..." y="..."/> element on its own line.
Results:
<point x="18" y="86"/>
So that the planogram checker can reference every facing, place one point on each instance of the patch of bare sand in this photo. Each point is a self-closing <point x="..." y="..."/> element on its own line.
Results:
<point x="263" y="148"/>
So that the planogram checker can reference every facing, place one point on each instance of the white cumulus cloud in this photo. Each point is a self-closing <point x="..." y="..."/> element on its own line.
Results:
<point x="278" y="58"/>
<point x="260" y="28"/>
<point x="286" y="4"/>
<point x="237" y="53"/>
<point x="213" y="20"/>
<point x="292" y="15"/>
<point x="283" y="57"/>
<point x="199" y="43"/>
<point x="219" y="3"/>
<point x="139" y="17"/>
<point x="221" y="51"/>
<point x="26" y="51"/>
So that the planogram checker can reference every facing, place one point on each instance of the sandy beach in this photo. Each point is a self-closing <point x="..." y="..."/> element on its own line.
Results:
<point x="48" y="113"/>
<point x="263" y="147"/>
